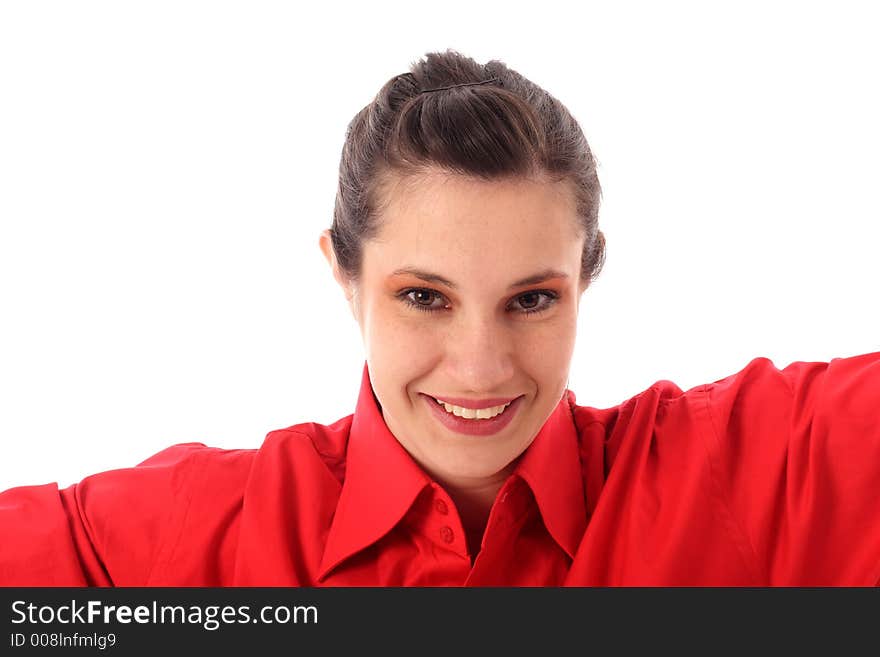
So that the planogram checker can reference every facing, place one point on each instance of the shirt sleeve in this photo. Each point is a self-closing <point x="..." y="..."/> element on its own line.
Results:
<point x="109" y="529"/>
<point x="796" y="453"/>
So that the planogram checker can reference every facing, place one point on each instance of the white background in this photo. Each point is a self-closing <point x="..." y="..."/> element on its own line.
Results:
<point x="166" y="169"/>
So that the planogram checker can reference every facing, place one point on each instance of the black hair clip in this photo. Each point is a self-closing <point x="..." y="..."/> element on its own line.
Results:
<point x="463" y="84"/>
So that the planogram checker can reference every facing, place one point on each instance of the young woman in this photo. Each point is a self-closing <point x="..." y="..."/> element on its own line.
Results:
<point x="464" y="236"/>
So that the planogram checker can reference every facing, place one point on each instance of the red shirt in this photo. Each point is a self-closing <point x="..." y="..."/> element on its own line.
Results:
<point x="766" y="477"/>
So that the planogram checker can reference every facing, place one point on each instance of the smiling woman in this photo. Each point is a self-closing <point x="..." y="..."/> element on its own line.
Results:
<point x="492" y="334"/>
<point x="464" y="238"/>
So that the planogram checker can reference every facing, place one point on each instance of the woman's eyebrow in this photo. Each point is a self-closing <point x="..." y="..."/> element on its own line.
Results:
<point x="431" y="277"/>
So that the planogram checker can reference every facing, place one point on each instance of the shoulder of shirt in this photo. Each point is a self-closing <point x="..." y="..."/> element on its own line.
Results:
<point x="327" y="440"/>
<point x="666" y="393"/>
<point x="759" y="378"/>
<point x="184" y="454"/>
<point x="662" y="392"/>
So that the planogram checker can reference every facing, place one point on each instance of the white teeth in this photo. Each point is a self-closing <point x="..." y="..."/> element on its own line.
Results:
<point x="473" y="413"/>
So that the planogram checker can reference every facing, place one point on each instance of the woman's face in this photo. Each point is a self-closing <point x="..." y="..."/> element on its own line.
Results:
<point x="480" y="333"/>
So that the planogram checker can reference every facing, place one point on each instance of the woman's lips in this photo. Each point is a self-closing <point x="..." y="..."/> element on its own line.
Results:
<point x="475" y="427"/>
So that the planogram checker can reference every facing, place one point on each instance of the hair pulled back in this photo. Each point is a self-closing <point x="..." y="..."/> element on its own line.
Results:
<point x="506" y="127"/>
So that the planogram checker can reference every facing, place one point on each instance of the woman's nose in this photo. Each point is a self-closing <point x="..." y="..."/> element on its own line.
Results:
<point x="480" y="353"/>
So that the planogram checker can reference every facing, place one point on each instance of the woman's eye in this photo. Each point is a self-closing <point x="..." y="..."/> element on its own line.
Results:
<point x="422" y="295"/>
<point x="422" y="299"/>
<point x="531" y="302"/>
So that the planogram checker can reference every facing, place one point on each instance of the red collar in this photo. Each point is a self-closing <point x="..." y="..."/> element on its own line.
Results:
<point x="551" y="466"/>
<point x="382" y="481"/>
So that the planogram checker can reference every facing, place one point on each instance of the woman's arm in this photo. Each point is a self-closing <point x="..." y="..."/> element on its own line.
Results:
<point x="109" y="529"/>
<point x="797" y="453"/>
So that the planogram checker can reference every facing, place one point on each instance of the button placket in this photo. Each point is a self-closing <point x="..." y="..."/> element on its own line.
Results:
<point x="441" y="523"/>
<point x="447" y="535"/>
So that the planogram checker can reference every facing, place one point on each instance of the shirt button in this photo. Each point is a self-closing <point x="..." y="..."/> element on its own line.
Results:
<point x="441" y="507"/>
<point x="446" y="534"/>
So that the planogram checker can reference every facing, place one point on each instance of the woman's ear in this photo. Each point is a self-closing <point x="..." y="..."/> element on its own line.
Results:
<point x="326" y="244"/>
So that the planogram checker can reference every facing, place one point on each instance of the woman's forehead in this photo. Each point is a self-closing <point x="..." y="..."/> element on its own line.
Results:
<point x="450" y="205"/>
<point x="445" y="186"/>
<point x="488" y="232"/>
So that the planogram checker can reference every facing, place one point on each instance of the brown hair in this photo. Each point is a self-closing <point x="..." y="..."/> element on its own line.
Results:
<point x="506" y="127"/>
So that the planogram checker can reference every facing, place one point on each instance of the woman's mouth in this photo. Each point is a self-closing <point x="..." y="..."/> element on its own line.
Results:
<point x="470" y="421"/>
<point x="473" y="413"/>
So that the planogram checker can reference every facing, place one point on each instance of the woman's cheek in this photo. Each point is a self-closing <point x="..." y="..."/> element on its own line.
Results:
<point x="403" y="338"/>
<point x="549" y="349"/>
